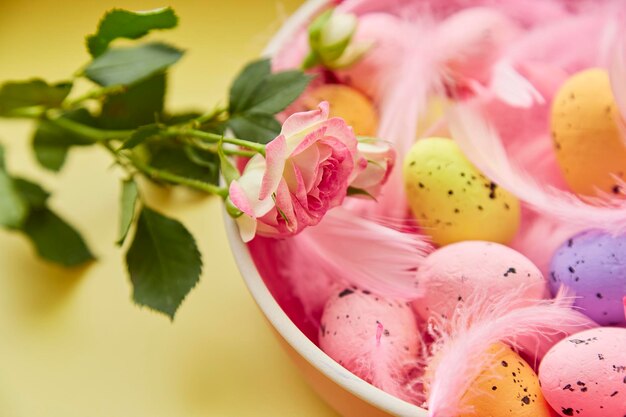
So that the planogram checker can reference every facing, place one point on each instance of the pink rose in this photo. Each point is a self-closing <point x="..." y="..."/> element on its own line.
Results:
<point x="306" y="172"/>
<point x="380" y="158"/>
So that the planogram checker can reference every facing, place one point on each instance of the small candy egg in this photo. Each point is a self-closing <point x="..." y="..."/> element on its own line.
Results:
<point x="586" y="135"/>
<point x="593" y="265"/>
<point x="345" y="102"/>
<point x="452" y="200"/>
<point x="584" y="375"/>
<point x="508" y="388"/>
<point x="373" y="337"/>
<point x="453" y="273"/>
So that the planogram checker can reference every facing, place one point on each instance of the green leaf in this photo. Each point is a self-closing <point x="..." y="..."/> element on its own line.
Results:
<point x="35" y="196"/>
<point x="141" y="104"/>
<point x="127" y="205"/>
<point x="54" y="239"/>
<point x="141" y="135"/>
<point x="201" y="165"/>
<point x="51" y="143"/>
<point x="19" y="94"/>
<point x="13" y="209"/>
<point x="352" y="191"/>
<point x="229" y="171"/>
<point x="256" y="127"/>
<point x="278" y="91"/>
<point x="246" y="84"/>
<point x="126" y="66"/>
<point x="119" y="23"/>
<point x="163" y="261"/>
<point x="256" y="90"/>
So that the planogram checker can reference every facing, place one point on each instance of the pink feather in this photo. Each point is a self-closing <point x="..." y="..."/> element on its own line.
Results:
<point x="483" y="147"/>
<point x="541" y="237"/>
<point x="304" y="271"/>
<point x="459" y="353"/>
<point x="364" y="253"/>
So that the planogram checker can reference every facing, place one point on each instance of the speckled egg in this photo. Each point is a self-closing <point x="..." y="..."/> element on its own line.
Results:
<point x="508" y="388"/>
<point x="593" y="265"/>
<point x="373" y="337"/>
<point x="584" y="375"/>
<point x="452" y="200"/>
<point x="453" y="273"/>
<point x="345" y="102"/>
<point x="586" y="133"/>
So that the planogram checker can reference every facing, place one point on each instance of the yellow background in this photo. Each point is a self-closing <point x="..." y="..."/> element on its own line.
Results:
<point x="72" y="344"/>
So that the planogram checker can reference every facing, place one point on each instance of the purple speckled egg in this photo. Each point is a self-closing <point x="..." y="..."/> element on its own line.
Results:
<point x="593" y="265"/>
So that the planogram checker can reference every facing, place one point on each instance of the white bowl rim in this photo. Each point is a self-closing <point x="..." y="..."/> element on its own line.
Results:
<point x="272" y="310"/>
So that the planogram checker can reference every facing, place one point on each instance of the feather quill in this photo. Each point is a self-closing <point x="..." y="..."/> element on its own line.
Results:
<point x="483" y="147"/>
<point x="459" y="353"/>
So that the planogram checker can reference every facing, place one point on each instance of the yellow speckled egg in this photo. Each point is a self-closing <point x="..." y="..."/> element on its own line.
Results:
<point x="452" y="200"/>
<point x="586" y="134"/>
<point x="508" y="388"/>
<point x="349" y="104"/>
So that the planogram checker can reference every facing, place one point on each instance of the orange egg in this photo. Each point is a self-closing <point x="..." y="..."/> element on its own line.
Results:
<point x="508" y="388"/>
<point x="586" y="134"/>
<point x="345" y="102"/>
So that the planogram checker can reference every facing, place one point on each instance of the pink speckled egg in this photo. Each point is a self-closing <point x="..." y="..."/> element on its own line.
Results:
<point x="584" y="375"/>
<point x="453" y="273"/>
<point x="375" y="338"/>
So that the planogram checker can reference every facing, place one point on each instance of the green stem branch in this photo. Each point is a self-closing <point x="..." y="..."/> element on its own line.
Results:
<point x="215" y="138"/>
<point x="89" y="132"/>
<point x="213" y="148"/>
<point x="157" y="174"/>
<point x="95" y="94"/>
<point x="210" y="116"/>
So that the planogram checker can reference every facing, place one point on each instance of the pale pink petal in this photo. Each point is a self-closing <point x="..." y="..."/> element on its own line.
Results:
<point x="275" y="156"/>
<point x="300" y="122"/>
<point x="300" y="144"/>
<point x="239" y="198"/>
<point x="301" y="190"/>
<point x="247" y="227"/>
<point x="250" y="185"/>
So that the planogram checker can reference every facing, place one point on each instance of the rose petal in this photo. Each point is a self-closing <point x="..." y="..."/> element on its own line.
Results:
<point x="239" y="198"/>
<point x="275" y="156"/>
<point x="298" y="124"/>
<point x="309" y="139"/>
<point x="247" y="227"/>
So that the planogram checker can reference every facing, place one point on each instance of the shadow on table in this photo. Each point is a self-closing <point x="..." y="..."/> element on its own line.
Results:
<point x="42" y="287"/>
